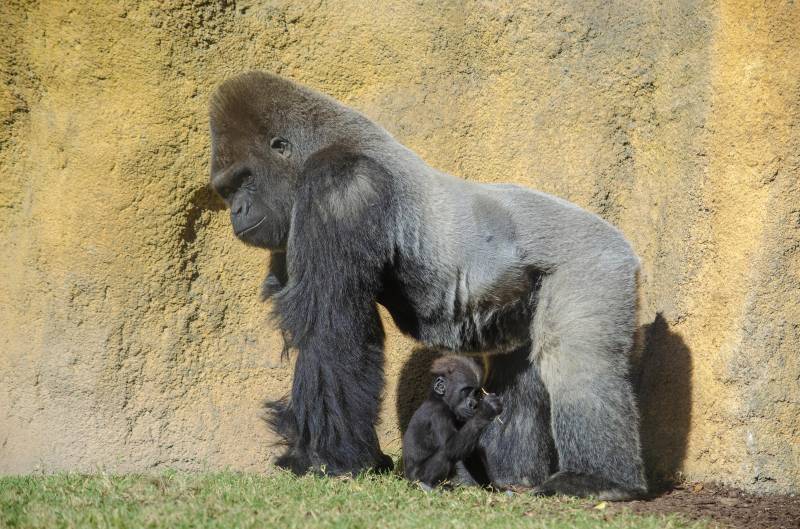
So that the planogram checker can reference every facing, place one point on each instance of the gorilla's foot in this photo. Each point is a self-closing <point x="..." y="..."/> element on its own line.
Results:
<point x="384" y="465"/>
<point x="569" y="483"/>
<point x="464" y="477"/>
<point x="426" y="488"/>
<point x="298" y="462"/>
<point x="294" y="460"/>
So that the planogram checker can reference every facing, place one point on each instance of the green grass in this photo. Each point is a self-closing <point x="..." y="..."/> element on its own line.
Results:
<point x="236" y="500"/>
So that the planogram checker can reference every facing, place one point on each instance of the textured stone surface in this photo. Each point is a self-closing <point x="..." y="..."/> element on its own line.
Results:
<point x="131" y="336"/>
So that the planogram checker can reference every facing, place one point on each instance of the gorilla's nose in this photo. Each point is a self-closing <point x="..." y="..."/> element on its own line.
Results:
<point x="240" y="207"/>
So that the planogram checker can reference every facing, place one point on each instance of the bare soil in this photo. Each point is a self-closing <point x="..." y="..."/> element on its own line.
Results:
<point x="728" y="507"/>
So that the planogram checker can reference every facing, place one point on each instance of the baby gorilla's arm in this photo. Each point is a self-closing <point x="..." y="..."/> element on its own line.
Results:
<point x="450" y="445"/>
<point x="463" y="443"/>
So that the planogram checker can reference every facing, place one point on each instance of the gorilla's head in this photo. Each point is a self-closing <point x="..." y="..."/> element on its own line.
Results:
<point x="457" y="383"/>
<point x="263" y="129"/>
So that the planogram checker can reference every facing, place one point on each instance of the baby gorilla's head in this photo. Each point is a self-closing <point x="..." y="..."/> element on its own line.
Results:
<point x="457" y="383"/>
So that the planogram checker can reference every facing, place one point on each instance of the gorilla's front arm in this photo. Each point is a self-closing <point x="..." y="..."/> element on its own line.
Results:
<point x="328" y="311"/>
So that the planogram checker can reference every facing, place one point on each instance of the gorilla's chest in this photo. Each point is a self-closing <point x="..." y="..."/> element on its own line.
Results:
<point x="455" y="310"/>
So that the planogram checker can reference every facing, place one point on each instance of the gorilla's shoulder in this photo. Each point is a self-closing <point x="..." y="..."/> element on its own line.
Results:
<point x="342" y="182"/>
<point x="344" y="165"/>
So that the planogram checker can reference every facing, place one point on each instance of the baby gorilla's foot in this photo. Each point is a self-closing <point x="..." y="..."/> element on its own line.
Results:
<point x="425" y="487"/>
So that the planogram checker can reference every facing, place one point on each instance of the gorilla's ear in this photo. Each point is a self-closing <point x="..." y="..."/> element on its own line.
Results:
<point x="440" y="386"/>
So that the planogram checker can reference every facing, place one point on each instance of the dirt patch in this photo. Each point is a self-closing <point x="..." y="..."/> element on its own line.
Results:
<point x="727" y="506"/>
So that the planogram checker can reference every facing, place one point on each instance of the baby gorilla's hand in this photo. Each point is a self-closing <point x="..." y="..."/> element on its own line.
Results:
<point x="491" y="406"/>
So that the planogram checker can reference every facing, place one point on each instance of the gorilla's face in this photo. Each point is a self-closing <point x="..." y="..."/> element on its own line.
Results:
<point x="254" y="160"/>
<point x="458" y="386"/>
<point x="255" y="176"/>
<point x="263" y="129"/>
<point x="462" y="397"/>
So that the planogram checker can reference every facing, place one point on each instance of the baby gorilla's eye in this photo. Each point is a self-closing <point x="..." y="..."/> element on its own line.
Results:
<point x="281" y="146"/>
<point x="466" y="392"/>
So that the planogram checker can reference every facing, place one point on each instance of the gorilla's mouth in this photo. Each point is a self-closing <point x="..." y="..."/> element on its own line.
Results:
<point x="251" y="228"/>
<point x="464" y="415"/>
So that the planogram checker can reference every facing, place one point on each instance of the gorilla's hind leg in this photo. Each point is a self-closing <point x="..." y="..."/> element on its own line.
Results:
<point x="583" y="334"/>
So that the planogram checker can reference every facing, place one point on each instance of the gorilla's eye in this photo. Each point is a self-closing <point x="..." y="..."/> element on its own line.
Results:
<point x="281" y="146"/>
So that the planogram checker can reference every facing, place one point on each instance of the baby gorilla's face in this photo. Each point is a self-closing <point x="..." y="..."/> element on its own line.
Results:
<point x="459" y="390"/>
<point x="458" y="384"/>
<point x="463" y="401"/>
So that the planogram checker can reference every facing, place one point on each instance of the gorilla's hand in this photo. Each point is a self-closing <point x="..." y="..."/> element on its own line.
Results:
<point x="271" y="286"/>
<point x="277" y="276"/>
<point x="490" y="407"/>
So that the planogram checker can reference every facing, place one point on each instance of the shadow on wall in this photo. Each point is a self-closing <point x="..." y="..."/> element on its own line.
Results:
<point x="414" y="384"/>
<point x="202" y="199"/>
<point x="662" y="381"/>
<point x="664" y="391"/>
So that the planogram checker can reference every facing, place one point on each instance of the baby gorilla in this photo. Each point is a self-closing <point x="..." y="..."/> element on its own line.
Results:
<point x="444" y="431"/>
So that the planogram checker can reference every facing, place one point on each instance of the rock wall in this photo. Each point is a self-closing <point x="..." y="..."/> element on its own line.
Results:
<point x="131" y="336"/>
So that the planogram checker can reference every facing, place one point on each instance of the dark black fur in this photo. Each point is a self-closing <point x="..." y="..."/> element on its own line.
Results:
<point x="445" y="429"/>
<point x="329" y="314"/>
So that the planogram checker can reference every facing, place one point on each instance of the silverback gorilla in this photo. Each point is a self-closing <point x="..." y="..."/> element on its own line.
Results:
<point x="354" y="218"/>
